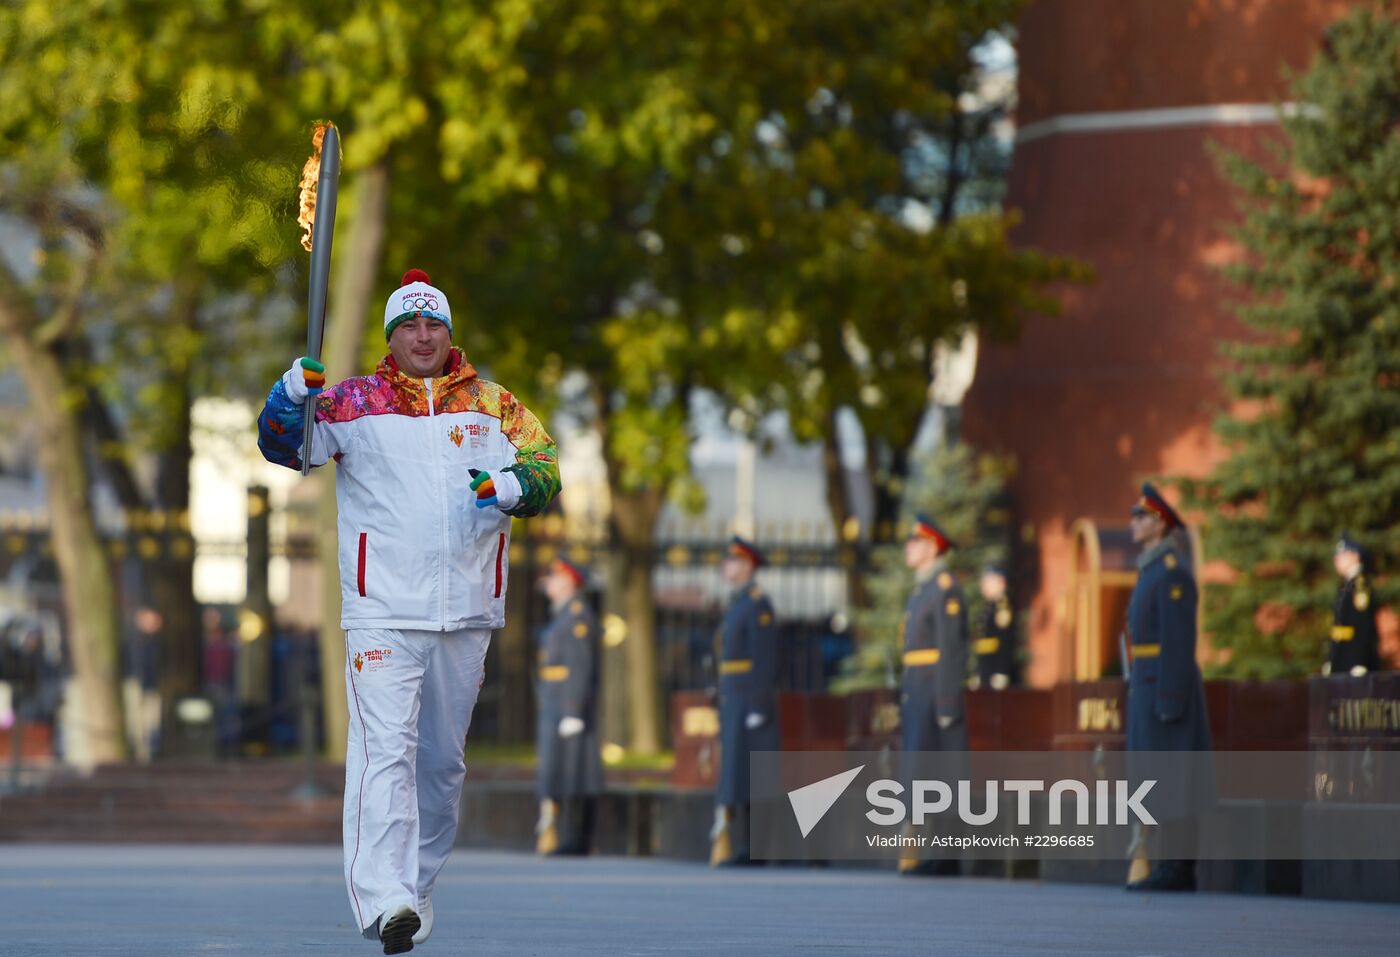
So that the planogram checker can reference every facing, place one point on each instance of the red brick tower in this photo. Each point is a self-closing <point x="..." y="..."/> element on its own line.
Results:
<point x="1118" y="100"/>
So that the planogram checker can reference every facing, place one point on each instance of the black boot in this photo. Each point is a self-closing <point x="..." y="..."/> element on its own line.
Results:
<point x="575" y="827"/>
<point x="1168" y="876"/>
<point x="932" y="867"/>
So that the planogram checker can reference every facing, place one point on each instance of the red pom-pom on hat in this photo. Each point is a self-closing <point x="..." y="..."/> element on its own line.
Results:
<point x="415" y="275"/>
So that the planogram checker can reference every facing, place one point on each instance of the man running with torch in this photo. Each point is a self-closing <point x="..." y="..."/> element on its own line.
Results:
<point x="432" y="463"/>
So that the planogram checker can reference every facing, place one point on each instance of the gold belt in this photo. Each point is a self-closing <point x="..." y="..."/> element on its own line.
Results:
<point x="923" y="656"/>
<point x="554" y="673"/>
<point x="986" y="646"/>
<point x="736" y="666"/>
<point x="1146" y="651"/>
<point x="1343" y="632"/>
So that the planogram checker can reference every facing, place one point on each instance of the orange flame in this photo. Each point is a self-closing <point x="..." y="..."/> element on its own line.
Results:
<point x="310" y="174"/>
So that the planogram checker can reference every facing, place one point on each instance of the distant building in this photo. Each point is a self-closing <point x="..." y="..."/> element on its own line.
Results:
<point x="226" y="462"/>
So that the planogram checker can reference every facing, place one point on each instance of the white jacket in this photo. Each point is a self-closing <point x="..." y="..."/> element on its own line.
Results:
<point x="415" y="551"/>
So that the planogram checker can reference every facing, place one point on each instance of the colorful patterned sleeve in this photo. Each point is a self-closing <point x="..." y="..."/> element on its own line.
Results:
<point x="536" y="458"/>
<point x="280" y="429"/>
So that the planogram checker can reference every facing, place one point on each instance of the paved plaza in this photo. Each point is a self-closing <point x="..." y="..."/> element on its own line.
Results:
<point x="152" y="901"/>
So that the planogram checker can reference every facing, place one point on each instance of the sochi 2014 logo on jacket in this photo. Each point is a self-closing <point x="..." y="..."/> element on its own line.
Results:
<point x="477" y="432"/>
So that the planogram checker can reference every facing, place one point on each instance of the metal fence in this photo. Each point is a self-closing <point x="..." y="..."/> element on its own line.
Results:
<point x="807" y="582"/>
<point x="806" y="577"/>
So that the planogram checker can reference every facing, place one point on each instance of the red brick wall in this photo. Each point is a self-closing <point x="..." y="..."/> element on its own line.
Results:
<point x="1121" y="386"/>
<point x="1085" y="56"/>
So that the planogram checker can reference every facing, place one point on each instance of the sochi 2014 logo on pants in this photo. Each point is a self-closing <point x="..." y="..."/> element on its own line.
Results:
<point x="373" y="660"/>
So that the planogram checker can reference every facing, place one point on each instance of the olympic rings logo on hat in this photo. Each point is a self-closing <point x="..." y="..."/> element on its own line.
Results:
<point x="411" y="303"/>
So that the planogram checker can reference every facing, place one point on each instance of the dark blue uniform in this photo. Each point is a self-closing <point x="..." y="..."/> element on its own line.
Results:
<point x="934" y="638"/>
<point x="1166" y="705"/>
<point x="568" y="687"/>
<point x="1166" y="699"/>
<point x="1167" y="712"/>
<point x="996" y="648"/>
<point x="1355" y="640"/>
<point x="935" y="666"/>
<point x="748" y="676"/>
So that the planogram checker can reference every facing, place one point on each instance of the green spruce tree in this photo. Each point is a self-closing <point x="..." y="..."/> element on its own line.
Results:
<point x="1314" y="427"/>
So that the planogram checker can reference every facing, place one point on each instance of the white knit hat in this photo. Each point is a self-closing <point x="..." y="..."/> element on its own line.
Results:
<point x="416" y="297"/>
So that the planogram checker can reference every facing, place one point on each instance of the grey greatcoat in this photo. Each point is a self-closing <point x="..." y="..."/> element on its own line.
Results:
<point x="748" y="677"/>
<point x="1166" y="697"/>
<point x="568" y="687"/>
<point x="935" y="666"/>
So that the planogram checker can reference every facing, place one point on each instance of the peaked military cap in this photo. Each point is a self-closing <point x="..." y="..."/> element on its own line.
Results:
<point x="925" y="527"/>
<point x="1348" y="543"/>
<point x="742" y="548"/>
<point x="579" y="576"/>
<point x="1152" y="503"/>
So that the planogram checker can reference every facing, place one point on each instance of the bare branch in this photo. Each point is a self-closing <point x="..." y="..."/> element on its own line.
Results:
<point x="67" y="315"/>
<point x="18" y="314"/>
<point x="111" y="451"/>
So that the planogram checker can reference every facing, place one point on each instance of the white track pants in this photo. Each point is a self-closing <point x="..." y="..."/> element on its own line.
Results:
<point x="411" y="695"/>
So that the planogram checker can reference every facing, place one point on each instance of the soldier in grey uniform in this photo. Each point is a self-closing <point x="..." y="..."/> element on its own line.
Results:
<point x="570" y="769"/>
<point x="748" y="679"/>
<point x="1166" y="698"/>
<point x="935" y="663"/>
<point x="1355" y="645"/>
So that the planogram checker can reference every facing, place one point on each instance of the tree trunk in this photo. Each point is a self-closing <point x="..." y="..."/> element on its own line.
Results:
<point x="896" y="482"/>
<point x="357" y="270"/>
<point x="631" y="546"/>
<point x="167" y="578"/>
<point x="838" y="504"/>
<point x="105" y="437"/>
<point x="254" y="675"/>
<point x="514" y="659"/>
<point x="633" y="525"/>
<point x="955" y="175"/>
<point x="171" y="575"/>
<point x="614" y="706"/>
<point x="887" y="483"/>
<point x="89" y="598"/>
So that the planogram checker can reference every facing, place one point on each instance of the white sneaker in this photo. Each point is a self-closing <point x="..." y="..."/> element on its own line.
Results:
<point x="425" y="914"/>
